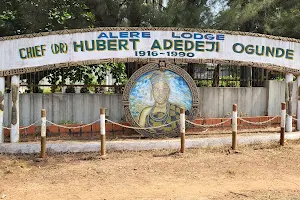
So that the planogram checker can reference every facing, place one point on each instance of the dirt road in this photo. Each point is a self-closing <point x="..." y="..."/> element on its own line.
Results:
<point x="255" y="172"/>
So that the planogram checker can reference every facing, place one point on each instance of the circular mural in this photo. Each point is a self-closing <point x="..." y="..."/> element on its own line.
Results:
<point x="154" y="95"/>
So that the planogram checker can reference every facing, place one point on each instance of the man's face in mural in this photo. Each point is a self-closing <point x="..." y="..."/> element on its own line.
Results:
<point x="160" y="92"/>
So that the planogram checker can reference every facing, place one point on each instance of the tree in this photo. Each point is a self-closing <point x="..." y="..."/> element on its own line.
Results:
<point x="247" y="16"/>
<point x="273" y="17"/>
<point x="189" y="13"/>
<point x="22" y="17"/>
<point x="286" y="20"/>
<point x="107" y="12"/>
<point x="84" y="74"/>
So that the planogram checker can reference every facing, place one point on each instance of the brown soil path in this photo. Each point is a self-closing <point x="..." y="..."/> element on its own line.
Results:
<point x="255" y="172"/>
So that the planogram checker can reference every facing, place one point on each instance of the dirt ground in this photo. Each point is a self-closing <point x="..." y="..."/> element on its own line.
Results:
<point x="253" y="172"/>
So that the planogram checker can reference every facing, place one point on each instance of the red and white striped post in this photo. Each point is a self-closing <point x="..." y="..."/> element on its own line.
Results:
<point x="282" y="124"/>
<point x="182" y="130"/>
<point x="234" y="126"/>
<point x="43" y="134"/>
<point x="102" y="131"/>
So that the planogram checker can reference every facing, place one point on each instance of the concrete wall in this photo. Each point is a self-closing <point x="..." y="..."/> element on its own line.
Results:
<point x="276" y="95"/>
<point x="75" y="108"/>
<point x="256" y="101"/>
<point x="217" y="102"/>
<point x="214" y="102"/>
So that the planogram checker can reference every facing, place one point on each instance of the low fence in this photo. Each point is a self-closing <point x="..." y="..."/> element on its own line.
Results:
<point x="71" y="131"/>
<point x="285" y="119"/>
<point x="114" y="131"/>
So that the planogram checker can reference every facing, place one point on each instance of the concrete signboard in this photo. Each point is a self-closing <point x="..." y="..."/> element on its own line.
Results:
<point x="26" y="53"/>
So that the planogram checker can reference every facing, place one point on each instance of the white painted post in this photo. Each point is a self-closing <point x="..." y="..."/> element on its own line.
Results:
<point x="298" y="103"/>
<point x="102" y="131"/>
<point x="2" y="88"/>
<point x="282" y="124"/>
<point x="234" y="126"/>
<point x="14" y="132"/>
<point x="182" y="130"/>
<point x="288" y="92"/>
<point x="43" y="133"/>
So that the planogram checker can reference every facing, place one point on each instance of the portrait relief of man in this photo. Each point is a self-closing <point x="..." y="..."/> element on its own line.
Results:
<point x="154" y="97"/>
<point x="162" y="111"/>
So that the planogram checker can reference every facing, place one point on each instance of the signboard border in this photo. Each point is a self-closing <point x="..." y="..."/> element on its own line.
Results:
<point x="269" y="66"/>
<point x="62" y="32"/>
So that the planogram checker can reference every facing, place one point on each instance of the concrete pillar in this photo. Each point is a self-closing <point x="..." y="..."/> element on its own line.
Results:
<point x="2" y="88"/>
<point x="288" y="98"/>
<point x="298" y="103"/>
<point x="14" y="133"/>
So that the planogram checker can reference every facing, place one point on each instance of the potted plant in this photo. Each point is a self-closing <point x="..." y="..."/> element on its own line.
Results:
<point x="84" y="90"/>
<point x="70" y="89"/>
